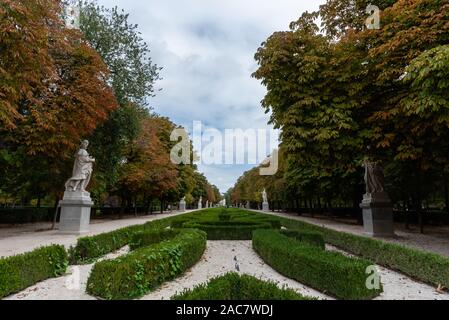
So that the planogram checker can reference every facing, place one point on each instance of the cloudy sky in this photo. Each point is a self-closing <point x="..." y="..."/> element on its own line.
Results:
<point x="206" y="49"/>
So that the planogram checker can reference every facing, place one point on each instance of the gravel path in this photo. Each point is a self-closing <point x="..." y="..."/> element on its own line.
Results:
<point x="25" y="238"/>
<point x="218" y="260"/>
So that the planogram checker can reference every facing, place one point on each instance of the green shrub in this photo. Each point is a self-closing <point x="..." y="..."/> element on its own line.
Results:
<point x="231" y="230"/>
<point x="329" y="272"/>
<point x="308" y="237"/>
<point x="137" y="273"/>
<point x="235" y="287"/>
<point x="90" y="248"/>
<point x="145" y="238"/>
<point x="428" y="267"/>
<point x="22" y="271"/>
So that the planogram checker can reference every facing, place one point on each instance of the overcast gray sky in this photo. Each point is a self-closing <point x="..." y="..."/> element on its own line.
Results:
<point x="207" y="48"/>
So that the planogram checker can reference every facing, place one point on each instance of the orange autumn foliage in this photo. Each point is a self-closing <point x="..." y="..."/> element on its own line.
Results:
<point x="53" y="86"/>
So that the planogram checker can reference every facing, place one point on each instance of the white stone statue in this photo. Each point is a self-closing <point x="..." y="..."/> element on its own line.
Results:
<point x="82" y="170"/>
<point x="264" y="196"/>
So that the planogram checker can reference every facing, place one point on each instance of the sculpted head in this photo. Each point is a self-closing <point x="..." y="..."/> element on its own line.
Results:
<point x="84" y="144"/>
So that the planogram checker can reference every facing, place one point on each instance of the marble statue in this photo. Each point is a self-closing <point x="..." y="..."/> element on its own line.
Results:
<point x="264" y="196"/>
<point x="82" y="170"/>
<point x="374" y="178"/>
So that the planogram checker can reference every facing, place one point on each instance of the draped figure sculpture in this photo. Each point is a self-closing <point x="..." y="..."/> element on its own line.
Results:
<point x="374" y="178"/>
<point x="82" y="170"/>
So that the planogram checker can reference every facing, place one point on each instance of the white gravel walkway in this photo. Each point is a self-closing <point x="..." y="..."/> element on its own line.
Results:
<point x="21" y="239"/>
<point x="218" y="260"/>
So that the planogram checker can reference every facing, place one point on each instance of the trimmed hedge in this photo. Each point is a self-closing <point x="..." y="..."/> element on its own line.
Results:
<point x="145" y="238"/>
<point x="88" y="249"/>
<point x="311" y="238"/>
<point x="22" y="271"/>
<point x="232" y="286"/>
<point x="428" y="267"/>
<point x="330" y="272"/>
<point x="232" y="230"/>
<point x="137" y="273"/>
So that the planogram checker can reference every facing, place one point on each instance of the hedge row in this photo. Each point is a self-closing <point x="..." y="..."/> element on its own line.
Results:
<point x="90" y="248"/>
<point x="148" y="237"/>
<point x="24" y="270"/>
<point x="217" y="230"/>
<point x="428" y="267"/>
<point x="235" y="287"/>
<point x="330" y="272"/>
<point x="135" y="274"/>
<point x="312" y="238"/>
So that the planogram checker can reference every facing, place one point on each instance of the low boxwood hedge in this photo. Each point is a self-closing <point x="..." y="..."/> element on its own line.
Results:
<point x="135" y="274"/>
<point x="425" y="266"/>
<point x="230" y="230"/>
<point x="89" y="248"/>
<point x="330" y="272"/>
<point x="146" y="238"/>
<point x="232" y="286"/>
<point x="307" y="237"/>
<point x="22" y="271"/>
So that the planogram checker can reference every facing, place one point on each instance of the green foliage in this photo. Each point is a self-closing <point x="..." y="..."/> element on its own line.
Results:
<point x="308" y="237"/>
<point x="89" y="248"/>
<point x="424" y="266"/>
<point x="218" y="230"/>
<point x="329" y="272"/>
<point x="24" y="270"/>
<point x="148" y="237"/>
<point x="122" y="48"/>
<point x="142" y="270"/>
<point x="233" y="286"/>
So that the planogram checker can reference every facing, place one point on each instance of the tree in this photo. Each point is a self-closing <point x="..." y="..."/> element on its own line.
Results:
<point x="55" y="94"/>
<point x="132" y="77"/>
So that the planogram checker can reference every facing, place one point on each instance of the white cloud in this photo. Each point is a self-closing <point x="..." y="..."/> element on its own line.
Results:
<point x="207" y="48"/>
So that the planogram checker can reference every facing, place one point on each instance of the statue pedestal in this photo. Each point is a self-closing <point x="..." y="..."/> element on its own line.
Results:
<point x="200" y="205"/>
<point x="265" y="207"/>
<point x="378" y="215"/>
<point x="75" y="212"/>
<point x="182" y="206"/>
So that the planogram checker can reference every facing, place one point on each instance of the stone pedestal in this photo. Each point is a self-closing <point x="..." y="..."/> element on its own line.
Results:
<point x="75" y="212"/>
<point x="200" y="205"/>
<point x="182" y="206"/>
<point x="378" y="215"/>
<point x="265" y="207"/>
